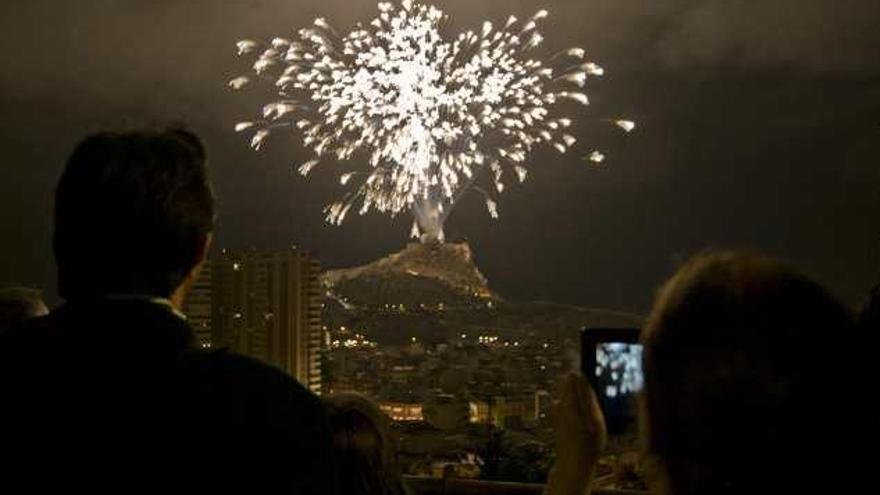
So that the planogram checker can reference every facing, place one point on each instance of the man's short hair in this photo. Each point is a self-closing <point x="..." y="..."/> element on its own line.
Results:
<point x="869" y="313"/>
<point x="132" y="210"/>
<point x="749" y="368"/>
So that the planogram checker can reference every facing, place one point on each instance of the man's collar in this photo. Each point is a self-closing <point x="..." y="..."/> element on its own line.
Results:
<point x="146" y="319"/>
<point x="160" y="301"/>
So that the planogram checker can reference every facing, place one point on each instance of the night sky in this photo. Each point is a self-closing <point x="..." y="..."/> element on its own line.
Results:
<point x="759" y="128"/>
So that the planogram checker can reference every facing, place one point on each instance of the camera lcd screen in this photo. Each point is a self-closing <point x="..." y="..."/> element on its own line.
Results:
<point x="612" y="360"/>
<point x="618" y="369"/>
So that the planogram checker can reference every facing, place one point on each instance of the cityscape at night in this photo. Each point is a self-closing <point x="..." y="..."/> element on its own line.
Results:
<point x="420" y="332"/>
<point x="425" y="247"/>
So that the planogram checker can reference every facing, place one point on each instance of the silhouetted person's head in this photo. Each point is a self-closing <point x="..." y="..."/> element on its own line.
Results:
<point x="750" y="370"/>
<point x="18" y="304"/>
<point x="364" y="450"/>
<point x="134" y="213"/>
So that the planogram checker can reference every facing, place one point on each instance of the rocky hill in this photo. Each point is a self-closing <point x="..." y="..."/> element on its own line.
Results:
<point x="436" y="291"/>
<point x="421" y="275"/>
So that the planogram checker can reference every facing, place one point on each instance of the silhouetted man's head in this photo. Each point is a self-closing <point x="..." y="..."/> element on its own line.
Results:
<point x="750" y="369"/>
<point x="869" y="313"/>
<point x="134" y="213"/>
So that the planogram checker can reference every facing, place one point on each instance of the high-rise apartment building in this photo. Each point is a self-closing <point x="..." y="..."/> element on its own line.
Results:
<point x="266" y="305"/>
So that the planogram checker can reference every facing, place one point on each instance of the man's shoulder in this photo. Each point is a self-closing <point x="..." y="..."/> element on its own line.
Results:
<point x="244" y="388"/>
<point x="239" y="372"/>
<point x="225" y="361"/>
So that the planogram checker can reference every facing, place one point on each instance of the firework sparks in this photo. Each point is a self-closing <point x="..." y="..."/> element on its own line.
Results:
<point x="432" y="116"/>
<point x="626" y="125"/>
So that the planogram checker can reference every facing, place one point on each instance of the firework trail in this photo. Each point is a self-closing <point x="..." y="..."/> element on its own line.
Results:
<point x="431" y="116"/>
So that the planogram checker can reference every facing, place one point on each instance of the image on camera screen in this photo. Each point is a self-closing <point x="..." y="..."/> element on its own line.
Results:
<point x="618" y="369"/>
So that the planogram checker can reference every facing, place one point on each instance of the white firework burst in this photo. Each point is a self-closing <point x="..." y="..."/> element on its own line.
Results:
<point x="431" y="115"/>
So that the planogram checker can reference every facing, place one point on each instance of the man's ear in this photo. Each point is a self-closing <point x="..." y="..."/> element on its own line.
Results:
<point x="179" y="294"/>
<point x="204" y="249"/>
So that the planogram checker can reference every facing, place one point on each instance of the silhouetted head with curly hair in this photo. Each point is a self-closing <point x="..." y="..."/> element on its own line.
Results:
<point x="750" y="368"/>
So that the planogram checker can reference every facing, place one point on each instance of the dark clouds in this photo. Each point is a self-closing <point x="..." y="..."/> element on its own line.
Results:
<point x="836" y="36"/>
<point x="759" y="126"/>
